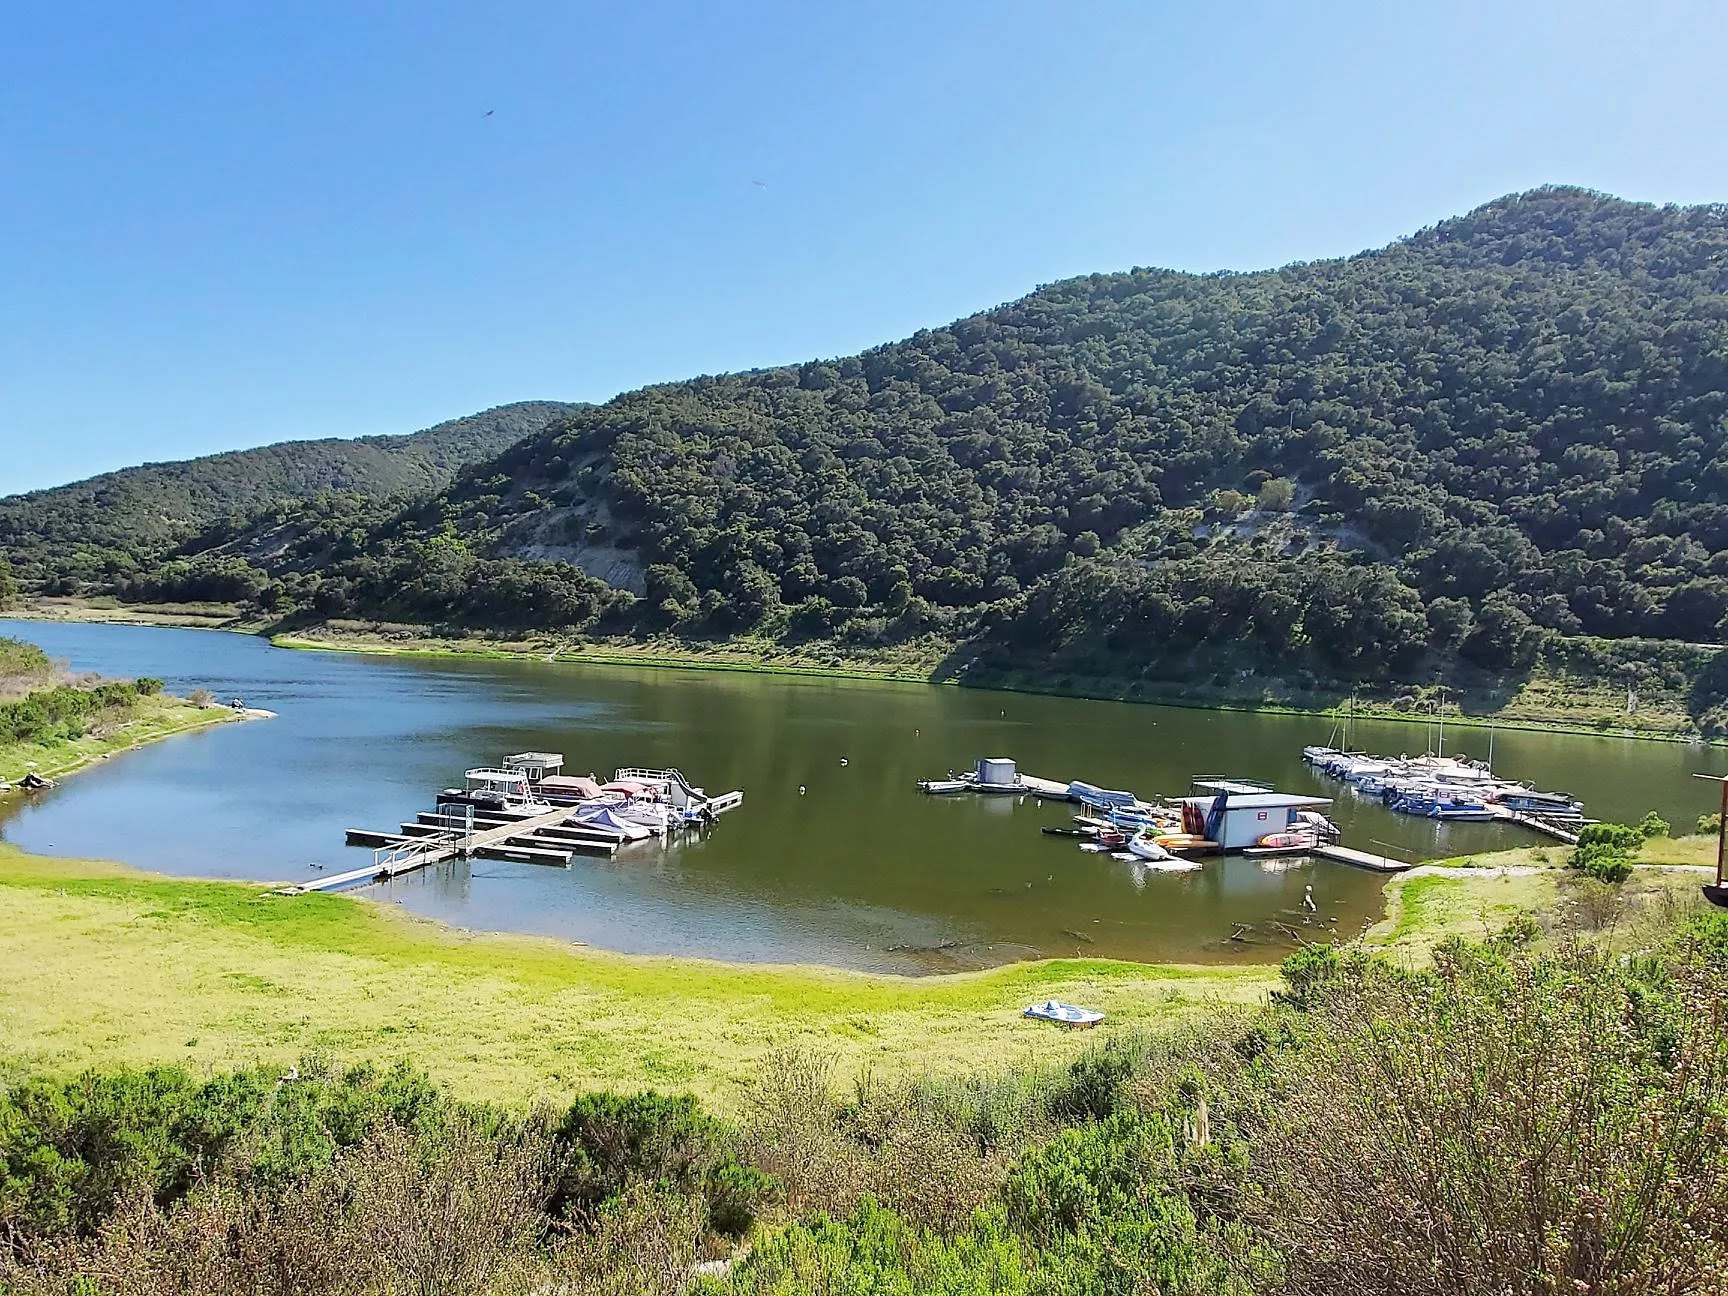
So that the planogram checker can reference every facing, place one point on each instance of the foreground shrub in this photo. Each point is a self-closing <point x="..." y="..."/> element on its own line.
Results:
<point x="1602" y="861"/>
<point x="1604" y="851"/>
<point x="608" y="1142"/>
<point x="1513" y="1123"/>
<point x="874" y="1251"/>
<point x="1621" y="836"/>
<point x="451" y="1215"/>
<point x="72" y="1150"/>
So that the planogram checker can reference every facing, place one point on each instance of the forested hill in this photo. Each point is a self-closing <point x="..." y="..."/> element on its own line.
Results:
<point x="1502" y="429"/>
<point x="102" y="528"/>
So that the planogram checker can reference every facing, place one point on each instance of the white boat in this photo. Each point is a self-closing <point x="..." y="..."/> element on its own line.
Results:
<point x="1065" y="1014"/>
<point x="1143" y="846"/>
<point x="1319" y="824"/>
<point x="942" y="787"/>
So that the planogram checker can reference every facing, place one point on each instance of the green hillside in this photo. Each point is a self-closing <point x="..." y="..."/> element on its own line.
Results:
<point x="1495" y="441"/>
<point x="103" y="528"/>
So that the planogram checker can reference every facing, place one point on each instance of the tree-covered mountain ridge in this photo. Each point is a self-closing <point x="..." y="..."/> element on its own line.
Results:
<point x="1499" y="433"/>
<point x="102" y="528"/>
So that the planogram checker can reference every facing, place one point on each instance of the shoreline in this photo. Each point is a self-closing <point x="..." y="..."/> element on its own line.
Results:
<point x="88" y="751"/>
<point x="541" y="646"/>
<point x="672" y="658"/>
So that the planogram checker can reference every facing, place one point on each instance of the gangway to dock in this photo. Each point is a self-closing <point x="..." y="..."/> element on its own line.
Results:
<point x="409" y="854"/>
<point x="1560" y="831"/>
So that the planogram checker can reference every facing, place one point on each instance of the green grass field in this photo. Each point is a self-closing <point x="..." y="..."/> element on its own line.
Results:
<point x="1473" y="896"/>
<point x="108" y="964"/>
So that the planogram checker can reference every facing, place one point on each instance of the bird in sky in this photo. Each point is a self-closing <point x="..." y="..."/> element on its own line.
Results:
<point x="488" y="112"/>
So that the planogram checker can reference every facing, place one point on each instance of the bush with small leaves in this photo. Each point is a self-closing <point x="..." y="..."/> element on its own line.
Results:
<point x="1604" y="861"/>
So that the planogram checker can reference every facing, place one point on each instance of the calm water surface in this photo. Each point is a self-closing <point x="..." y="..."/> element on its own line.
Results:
<point x="859" y="871"/>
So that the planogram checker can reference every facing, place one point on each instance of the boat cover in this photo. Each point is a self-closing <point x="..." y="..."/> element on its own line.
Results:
<point x="564" y="785"/>
<point x="1090" y="795"/>
<point x="1068" y="1014"/>
<point x="606" y="817"/>
<point x="626" y="787"/>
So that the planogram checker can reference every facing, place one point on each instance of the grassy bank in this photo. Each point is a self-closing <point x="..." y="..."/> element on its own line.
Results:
<point x="1541" y="704"/>
<point x="107" y="609"/>
<point x="148" y="720"/>
<point x="109" y="964"/>
<point x="1476" y="895"/>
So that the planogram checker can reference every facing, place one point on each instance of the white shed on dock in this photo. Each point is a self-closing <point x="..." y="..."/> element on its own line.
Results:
<point x="1237" y="821"/>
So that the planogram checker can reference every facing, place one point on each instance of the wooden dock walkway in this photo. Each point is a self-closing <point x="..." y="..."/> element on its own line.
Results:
<point x="452" y="843"/>
<point x="1362" y="859"/>
<point x="1541" y="824"/>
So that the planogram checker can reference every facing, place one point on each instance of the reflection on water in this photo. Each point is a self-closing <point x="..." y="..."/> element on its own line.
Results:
<point x="859" y="871"/>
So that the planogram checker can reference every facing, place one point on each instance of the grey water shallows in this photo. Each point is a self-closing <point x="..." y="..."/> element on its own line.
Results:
<point x="857" y="871"/>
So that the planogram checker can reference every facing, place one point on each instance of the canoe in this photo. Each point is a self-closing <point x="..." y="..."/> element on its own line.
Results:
<point x="1287" y="840"/>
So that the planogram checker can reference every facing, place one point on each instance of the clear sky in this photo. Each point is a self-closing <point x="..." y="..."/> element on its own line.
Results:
<point x="228" y="224"/>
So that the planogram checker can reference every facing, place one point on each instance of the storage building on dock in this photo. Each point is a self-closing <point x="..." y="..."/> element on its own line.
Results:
<point x="1237" y="820"/>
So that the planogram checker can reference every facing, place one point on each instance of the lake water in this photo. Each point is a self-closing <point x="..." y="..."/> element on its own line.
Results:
<point x="858" y="871"/>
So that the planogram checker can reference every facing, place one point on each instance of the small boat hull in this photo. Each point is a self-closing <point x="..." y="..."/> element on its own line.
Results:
<point x="1147" y="848"/>
<point x="941" y="787"/>
<point x="1065" y="1015"/>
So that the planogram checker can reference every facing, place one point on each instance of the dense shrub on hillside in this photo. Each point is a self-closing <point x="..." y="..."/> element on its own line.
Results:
<point x="104" y="531"/>
<point x="1497" y="441"/>
<point x="21" y="662"/>
<point x="63" y="712"/>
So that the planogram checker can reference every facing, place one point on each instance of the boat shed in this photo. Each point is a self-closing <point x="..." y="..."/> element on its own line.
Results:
<point x="1237" y="821"/>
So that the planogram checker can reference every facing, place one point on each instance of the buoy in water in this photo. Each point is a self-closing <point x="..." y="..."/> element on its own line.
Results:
<point x="800" y="789"/>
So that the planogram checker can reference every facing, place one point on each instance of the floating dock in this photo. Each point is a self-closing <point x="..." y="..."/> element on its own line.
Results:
<point x="502" y="815"/>
<point x="1361" y="859"/>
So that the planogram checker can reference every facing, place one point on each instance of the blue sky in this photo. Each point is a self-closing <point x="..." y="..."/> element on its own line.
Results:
<point x="224" y="225"/>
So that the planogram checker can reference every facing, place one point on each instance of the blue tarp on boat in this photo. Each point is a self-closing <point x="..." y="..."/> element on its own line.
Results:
<point x="1097" y="796"/>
